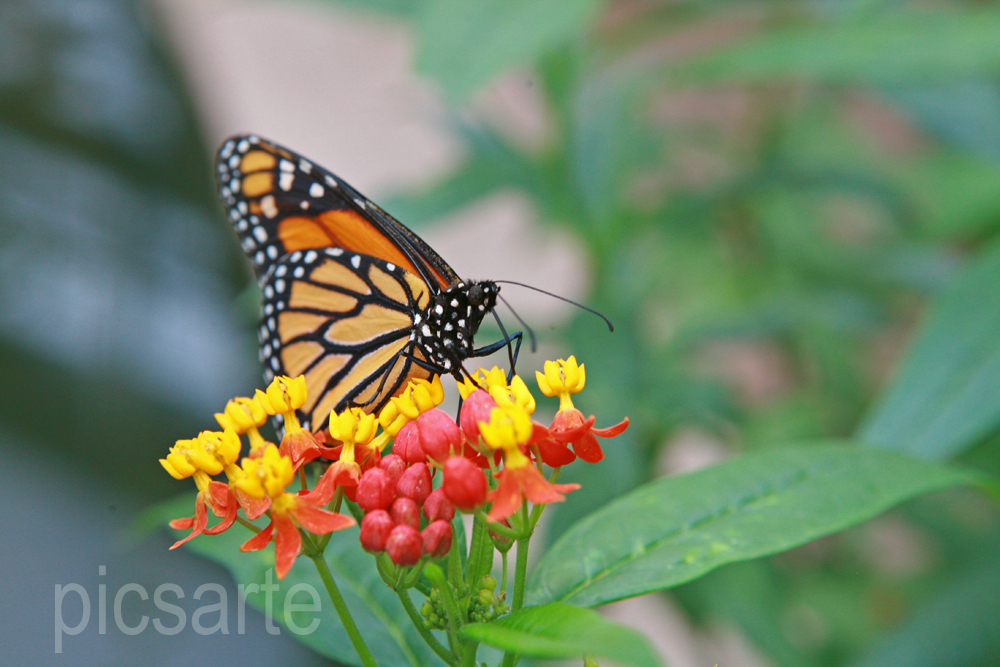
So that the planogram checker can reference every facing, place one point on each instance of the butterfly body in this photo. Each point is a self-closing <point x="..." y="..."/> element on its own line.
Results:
<point x="353" y="300"/>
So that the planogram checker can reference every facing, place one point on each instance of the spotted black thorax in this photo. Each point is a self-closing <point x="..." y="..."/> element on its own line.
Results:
<point x="452" y="320"/>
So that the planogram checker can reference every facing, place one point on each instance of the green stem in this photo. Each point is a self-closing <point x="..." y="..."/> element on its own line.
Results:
<point x="479" y="535"/>
<point x="469" y="659"/>
<point x="455" y="618"/>
<point x="520" y="570"/>
<point x="343" y="612"/>
<point x="418" y="622"/>
<point x="499" y="528"/>
<point x="246" y="524"/>
<point x="503" y="580"/>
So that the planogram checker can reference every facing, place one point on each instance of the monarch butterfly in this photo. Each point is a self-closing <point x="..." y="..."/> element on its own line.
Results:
<point x="353" y="300"/>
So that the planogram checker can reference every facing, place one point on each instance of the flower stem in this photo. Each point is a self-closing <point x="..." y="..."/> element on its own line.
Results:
<point x="455" y="617"/>
<point x="418" y="622"/>
<point x="520" y="570"/>
<point x="343" y="612"/>
<point x="479" y="535"/>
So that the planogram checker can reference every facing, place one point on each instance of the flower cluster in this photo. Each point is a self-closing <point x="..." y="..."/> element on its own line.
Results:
<point x="258" y="484"/>
<point x="491" y="464"/>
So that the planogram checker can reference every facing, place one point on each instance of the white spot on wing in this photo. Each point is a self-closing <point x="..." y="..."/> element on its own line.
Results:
<point x="285" y="180"/>
<point x="268" y="206"/>
<point x="316" y="190"/>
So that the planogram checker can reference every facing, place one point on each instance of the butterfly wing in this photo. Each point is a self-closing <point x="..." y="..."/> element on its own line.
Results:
<point x="279" y="203"/>
<point x="343" y="281"/>
<point x="343" y="320"/>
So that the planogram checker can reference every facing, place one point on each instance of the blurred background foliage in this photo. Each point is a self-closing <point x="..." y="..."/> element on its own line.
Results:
<point x="789" y="210"/>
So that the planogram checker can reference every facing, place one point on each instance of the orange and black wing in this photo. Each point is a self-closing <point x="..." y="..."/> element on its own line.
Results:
<point x="280" y="202"/>
<point x="353" y="300"/>
<point x="345" y="321"/>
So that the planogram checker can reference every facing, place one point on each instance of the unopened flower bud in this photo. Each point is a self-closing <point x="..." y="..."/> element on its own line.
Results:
<point x="404" y="545"/>
<point x="375" y="490"/>
<point x="407" y="444"/>
<point x="475" y="409"/>
<point x="439" y="436"/>
<point x="436" y="506"/>
<point x="503" y="544"/>
<point x="405" y="511"/>
<point x="394" y="465"/>
<point x="415" y="482"/>
<point x="437" y="538"/>
<point x="464" y="483"/>
<point x="375" y="529"/>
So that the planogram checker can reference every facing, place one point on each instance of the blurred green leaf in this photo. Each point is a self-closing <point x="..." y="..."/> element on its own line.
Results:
<point x="899" y="46"/>
<point x="380" y="617"/>
<point x="965" y="112"/>
<point x="956" y="628"/>
<point x="465" y="44"/>
<point x="678" y="528"/>
<point x="946" y="395"/>
<point x="558" y="630"/>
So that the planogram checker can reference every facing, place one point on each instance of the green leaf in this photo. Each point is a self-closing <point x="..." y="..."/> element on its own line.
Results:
<point x="380" y="617"/>
<point x="561" y="631"/>
<point x="675" y="529"/>
<point x="465" y="44"/>
<point x="946" y="396"/>
<point x="914" y="46"/>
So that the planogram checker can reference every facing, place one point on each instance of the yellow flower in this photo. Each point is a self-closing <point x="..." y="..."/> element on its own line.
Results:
<point x="353" y="426"/>
<point x="267" y="475"/>
<point x="284" y="396"/>
<point x="177" y="462"/>
<point x="419" y="396"/>
<point x="514" y="395"/>
<point x="562" y="378"/>
<point x="242" y="414"/>
<point x="507" y="428"/>
<point x="482" y="379"/>
<point x="210" y="452"/>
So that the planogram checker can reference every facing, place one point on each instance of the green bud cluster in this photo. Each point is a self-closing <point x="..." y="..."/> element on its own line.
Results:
<point x="434" y="612"/>
<point x="484" y="605"/>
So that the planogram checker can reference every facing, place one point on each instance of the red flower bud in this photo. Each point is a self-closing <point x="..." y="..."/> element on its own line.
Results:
<point x="415" y="482"/>
<point x="375" y="490"/>
<point x="406" y="445"/>
<point x="437" y="538"/>
<point x="375" y="529"/>
<point x="439" y="435"/>
<point x="404" y="545"/>
<point x="437" y="506"/>
<point x="475" y="409"/>
<point x="405" y="512"/>
<point x="394" y="465"/>
<point x="464" y="483"/>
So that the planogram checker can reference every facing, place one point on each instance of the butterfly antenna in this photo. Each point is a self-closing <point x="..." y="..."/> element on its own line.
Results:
<point x="531" y="334"/>
<point x="601" y="315"/>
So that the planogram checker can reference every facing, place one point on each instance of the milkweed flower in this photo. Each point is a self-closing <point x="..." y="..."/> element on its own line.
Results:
<point x="419" y="396"/>
<point x="354" y="429"/>
<point x="209" y="454"/>
<point x="562" y="378"/>
<point x="244" y="416"/>
<point x="268" y="475"/>
<point x="507" y="430"/>
<point x="283" y="397"/>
